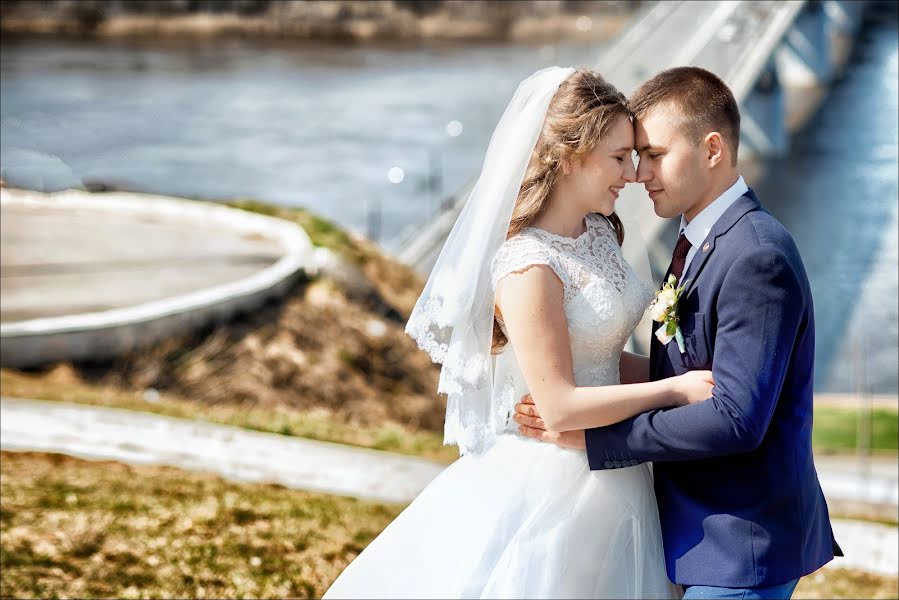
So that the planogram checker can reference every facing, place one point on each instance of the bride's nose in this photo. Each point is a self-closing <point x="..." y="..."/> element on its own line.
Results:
<point x="630" y="173"/>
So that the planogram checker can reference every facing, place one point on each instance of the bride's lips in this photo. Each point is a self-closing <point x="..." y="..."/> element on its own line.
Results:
<point x="615" y="191"/>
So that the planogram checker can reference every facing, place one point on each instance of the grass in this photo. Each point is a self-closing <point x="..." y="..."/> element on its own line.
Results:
<point x="846" y="583"/>
<point x="321" y="232"/>
<point x="313" y="424"/>
<point x="836" y="429"/>
<point x="397" y="285"/>
<point x="834" y="432"/>
<point x="75" y="528"/>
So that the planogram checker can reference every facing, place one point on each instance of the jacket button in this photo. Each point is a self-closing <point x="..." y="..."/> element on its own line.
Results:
<point x="607" y="464"/>
<point x="617" y="463"/>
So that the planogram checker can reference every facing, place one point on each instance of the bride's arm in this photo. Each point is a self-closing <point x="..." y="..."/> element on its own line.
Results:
<point x="633" y="368"/>
<point x="531" y="305"/>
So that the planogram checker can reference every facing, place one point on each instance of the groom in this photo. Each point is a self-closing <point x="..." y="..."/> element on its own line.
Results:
<point x="742" y="512"/>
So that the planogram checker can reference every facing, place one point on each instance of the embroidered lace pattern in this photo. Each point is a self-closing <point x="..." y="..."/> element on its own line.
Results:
<point x="604" y="299"/>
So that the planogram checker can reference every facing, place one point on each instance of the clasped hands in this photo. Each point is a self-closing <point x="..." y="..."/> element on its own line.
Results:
<point x="531" y="425"/>
<point x="693" y="387"/>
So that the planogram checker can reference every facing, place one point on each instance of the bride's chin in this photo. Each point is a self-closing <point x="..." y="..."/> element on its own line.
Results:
<point x="606" y="209"/>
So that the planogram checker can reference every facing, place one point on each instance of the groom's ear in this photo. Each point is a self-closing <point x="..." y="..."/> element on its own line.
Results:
<point x="715" y="148"/>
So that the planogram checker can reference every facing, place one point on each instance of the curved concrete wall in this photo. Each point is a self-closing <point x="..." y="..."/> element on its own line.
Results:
<point x="101" y="335"/>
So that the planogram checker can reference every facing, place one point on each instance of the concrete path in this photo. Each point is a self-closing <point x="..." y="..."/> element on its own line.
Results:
<point x="871" y="481"/>
<point x="867" y="546"/>
<point x="243" y="455"/>
<point x="234" y="453"/>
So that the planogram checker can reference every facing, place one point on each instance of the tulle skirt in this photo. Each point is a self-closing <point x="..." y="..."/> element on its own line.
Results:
<point x="523" y="520"/>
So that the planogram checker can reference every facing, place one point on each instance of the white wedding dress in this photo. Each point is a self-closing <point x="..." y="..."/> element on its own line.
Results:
<point x="527" y="519"/>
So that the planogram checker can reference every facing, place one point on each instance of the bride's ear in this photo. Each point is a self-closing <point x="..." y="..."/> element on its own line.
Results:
<point x="566" y="166"/>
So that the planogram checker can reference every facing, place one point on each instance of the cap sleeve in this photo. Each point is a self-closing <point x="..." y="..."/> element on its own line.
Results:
<point x="520" y="253"/>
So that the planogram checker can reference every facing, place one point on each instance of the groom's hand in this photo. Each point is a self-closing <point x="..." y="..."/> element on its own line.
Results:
<point x="531" y="425"/>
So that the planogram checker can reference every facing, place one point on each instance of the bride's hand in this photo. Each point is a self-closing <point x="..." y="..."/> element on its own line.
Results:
<point x="531" y="425"/>
<point x="693" y="387"/>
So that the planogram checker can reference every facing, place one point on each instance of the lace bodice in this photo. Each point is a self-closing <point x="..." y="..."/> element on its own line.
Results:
<point x="604" y="300"/>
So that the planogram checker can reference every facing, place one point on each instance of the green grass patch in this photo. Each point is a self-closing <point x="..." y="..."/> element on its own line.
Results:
<point x="836" y="429"/>
<point x="76" y="528"/>
<point x="321" y="232"/>
<point x="316" y="424"/>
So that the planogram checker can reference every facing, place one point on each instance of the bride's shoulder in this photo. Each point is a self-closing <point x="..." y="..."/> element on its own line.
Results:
<point x="522" y="250"/>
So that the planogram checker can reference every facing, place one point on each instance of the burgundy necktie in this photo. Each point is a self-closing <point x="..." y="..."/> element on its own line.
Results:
<point x="679" y="258"/>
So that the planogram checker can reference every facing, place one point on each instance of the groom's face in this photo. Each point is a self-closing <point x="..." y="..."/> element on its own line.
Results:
<point x="671" y="167"/>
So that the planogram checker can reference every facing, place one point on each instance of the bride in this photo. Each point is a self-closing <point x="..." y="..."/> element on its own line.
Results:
<point x="531" y="294"/>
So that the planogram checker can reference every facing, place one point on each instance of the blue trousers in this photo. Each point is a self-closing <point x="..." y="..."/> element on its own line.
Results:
<point x="775" y="592"/>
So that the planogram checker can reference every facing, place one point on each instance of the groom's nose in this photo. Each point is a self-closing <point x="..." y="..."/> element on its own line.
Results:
<point x="644" y="173"/>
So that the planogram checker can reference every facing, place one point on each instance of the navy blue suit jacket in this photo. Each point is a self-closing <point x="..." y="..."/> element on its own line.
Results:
<point x="739" y="498"/>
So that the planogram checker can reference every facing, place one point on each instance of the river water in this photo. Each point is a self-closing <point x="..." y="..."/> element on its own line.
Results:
<point x="319" y="126"/>
<point x="322" y="126"/>
<point x="838" y="194"/>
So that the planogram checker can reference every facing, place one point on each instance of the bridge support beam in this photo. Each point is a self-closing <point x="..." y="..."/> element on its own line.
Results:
<point x="803" y="59"/>
<point x="845" y="15"/>
<point x="763" y="118"/>
<point x="844" y="18"/>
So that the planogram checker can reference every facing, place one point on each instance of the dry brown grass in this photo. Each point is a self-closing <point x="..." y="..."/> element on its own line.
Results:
<point x="318" y="348"/>
<point x="846" y="583"/>
<point x="75" y="528"/>
<point x="330" y="361"/>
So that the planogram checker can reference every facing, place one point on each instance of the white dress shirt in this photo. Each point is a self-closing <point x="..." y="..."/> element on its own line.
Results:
<point x="698" y="229"/>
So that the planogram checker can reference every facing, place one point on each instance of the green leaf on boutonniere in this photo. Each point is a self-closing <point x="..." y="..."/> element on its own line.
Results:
<point x="671" y="327"/>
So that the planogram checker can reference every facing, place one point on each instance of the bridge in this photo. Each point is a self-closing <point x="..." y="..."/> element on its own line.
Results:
<point x="777" y="57"/>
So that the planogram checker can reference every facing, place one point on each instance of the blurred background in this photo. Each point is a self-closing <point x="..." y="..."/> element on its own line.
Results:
<point x="224" y="211"/>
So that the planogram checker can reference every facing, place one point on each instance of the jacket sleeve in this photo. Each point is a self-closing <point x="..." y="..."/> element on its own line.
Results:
<point x="760" y="309"/>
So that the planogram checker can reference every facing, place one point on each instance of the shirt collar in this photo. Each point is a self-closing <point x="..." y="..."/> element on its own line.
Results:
<point x="698" y="229"/>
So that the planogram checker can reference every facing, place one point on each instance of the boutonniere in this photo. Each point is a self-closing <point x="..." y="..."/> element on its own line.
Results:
<point x="663" y="309"/>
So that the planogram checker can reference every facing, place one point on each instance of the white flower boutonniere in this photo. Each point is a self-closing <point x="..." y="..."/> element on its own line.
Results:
<point x="663" y="309"/>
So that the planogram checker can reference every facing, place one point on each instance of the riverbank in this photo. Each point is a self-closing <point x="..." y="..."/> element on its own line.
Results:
<point x="329" y="361"/>
<point x="332" y="350"/>
<point x="335" y="20"/>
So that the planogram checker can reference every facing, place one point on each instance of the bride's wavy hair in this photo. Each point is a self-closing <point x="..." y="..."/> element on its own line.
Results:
<point x="579" y="115"/>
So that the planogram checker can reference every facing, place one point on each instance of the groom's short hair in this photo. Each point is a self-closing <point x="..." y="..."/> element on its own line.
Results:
<point x="698" y="97"/>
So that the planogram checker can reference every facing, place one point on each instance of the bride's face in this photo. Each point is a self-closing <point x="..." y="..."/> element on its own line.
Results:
<point x="597" y="179"/>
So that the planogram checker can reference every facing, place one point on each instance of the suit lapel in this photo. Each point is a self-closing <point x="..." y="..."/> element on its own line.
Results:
<point x="744" y="204"/>
<point x="698" y="262"/>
